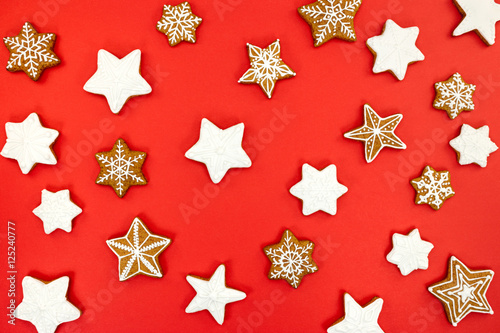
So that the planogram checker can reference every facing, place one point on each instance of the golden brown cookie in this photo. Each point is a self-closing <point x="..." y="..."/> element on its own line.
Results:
<point x="433" y="187"/>
<point x="454" y="96"/>
<point x="178" y="23"/>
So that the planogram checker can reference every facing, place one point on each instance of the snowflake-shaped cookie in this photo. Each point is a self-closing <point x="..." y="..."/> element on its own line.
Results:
<point x="31" y="52"/>
<point x="266" y="67"/>
<point x="331" y="19"/>
<point x="473" y="145"/>
<point x="454" y="96"/>
<point x="359" y="319"/>
<point x="138" y="251"/>
<point x="121" y="168"/>
<point x="409" y="252"/>
<point x="290" y="259"/>
<point x="432" y="188"/>
<point x="56" y="211"/>
<point x="480" y="16"/>
<point x="178" y="23"/>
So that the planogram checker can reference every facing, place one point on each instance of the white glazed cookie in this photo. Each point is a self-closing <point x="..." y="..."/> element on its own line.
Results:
<point x="473" y="145"/>
<point x="480" y="16"/>
<point x="409" y="252"/>
<point x="56" y="211"/>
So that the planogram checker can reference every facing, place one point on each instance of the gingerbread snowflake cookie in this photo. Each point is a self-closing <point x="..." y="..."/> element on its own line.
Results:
<point x="480" y="16"/>
<point x="454" y="96"/>
<point x="362" y="319"/>
<point x="432" y="188"/>
<point x="473" y="145"/>
<point x="57" y="211"/>
<point x="409" y="252"/>
<point x="178" y="23"/>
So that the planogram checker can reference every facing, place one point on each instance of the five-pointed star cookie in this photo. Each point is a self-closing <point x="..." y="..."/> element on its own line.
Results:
<point x="138" y="251"/>
<point x="118" y="79"/>
<point x="463" y="291"/>
<point x="395" y="49"/>
<point x="473" y="145"/>
<point x="213" y="294"/>
<point x="357" y="318"/>
<point x="29" y="143"/>
<point x="56" y="211"/>
<point x="266" y="67"/>
<point x="331" y="19"/>
<point x="121" y="168"/>
<point x="454" y="96"/>
<point x="220" y="150"/>
<point x="479" y="16"/>
<point x="318" y="190"/>
<point x="409" y="252"/>
<point x="178" y="23"/>
<point x="377" y="133"/>
<point x="31" y="52"/>
<point x="432" y="188"/>
<point x="45" y="304"/>
<point x="291" y="259"/>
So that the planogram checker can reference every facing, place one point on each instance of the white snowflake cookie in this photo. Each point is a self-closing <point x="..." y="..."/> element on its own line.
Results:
<point x="480" y="16"/>
<point x="473" y="145"/>
<point x="178" y="23"/>
<point x="56" y="211"/>
<point x="359" y="319"/>
<point x="409" y="252"/>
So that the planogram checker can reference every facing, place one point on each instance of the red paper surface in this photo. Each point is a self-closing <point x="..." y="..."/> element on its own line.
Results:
<point x="231" y="222"/>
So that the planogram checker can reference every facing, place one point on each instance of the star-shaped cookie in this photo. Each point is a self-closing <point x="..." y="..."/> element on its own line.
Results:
<point x="31" y="52"/>
<point x="331" y="19"/>
<point x="318" y="190"/>
<point x="357" y="318"/>
<point x="473" y="145"/>
<point x="213" y="294"/>
<point x="220" y="150"/>
<point x="45" y="304"/>
<point x="480" y="16"/>
<point x="118" y="79"/>
<point x="377" y="133"/>
<point x="432" y="188"/>
<point x="454" y="96"/>
<point x="56" y="211"/>
<point x="395" y="49"/>
<point x="409" y="252"/>
<point x="138" y="251"/>
<point x="463" y="291"/>
<point x="29" y="143"/>
<point x="178" y="23"/>
<point x="266" y="67"/>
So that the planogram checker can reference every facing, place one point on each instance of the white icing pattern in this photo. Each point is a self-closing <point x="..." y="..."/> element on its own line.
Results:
<point x="178" y="23"/>
<point x="455" y="95"/>
<point x="480" y="16"/>
<point x="433" y="187"/>
<point x="473" y="145"/>
<point x="409" y="252"/>
<point x="56" y="211"/>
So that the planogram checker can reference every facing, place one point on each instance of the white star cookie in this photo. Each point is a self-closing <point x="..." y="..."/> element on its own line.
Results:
<point x="318" y="190"/>
<point x="395" y="49"/>
<point x="213" y="294"/>
<point x="479" y="16"/>
<point x="29" y="143"/>
<point x="56" y="211"/>
<point x="473" y="145"/>
<point x="219" y="149"/>
<point x="409" y="252"/>
<point x="118" y="79"/>
<point x="359" y="319"/>
<point x="45" y="305"/>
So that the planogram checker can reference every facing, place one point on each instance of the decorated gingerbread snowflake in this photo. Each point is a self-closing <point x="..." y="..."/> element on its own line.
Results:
<point x="433" y="187"/>
<point x="178" y="23"/>
<point x="454" y="96"/>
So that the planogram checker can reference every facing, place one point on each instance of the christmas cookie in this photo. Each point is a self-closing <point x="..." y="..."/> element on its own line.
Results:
<point x="121" y="168"/>
<point x="30" y="143"/>
<point x="178" y="23"/>
<point x="432" y="188"/>
<point x="31" y="52"/>
<point x="330" y="19"/>
<point x="454" y="96"/>
<point x="473" y="145"/>
<point x="409" y="252"/>
<point x="463" y="291"/>
<point x="266" y="67"/>
<point x="480" y="16"/>
<point x="138" y="251"/>
<point x="56" y="211"/>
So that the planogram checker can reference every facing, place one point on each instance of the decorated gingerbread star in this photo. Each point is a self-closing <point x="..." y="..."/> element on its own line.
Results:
<point x="454" y="96"/>
<point x="178" y="23"/>
<point x="480" y="16"/>
<point x="433" y="187"/>
<point x="377" y="133"/>
<point x="357" y="318"/>
<point x="473" y="145"/>
<point x="56" y="211"/>
<point x="409" y="252"/>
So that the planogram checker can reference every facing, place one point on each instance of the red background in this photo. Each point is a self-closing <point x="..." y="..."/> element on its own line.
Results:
<point x="231" y="222"/>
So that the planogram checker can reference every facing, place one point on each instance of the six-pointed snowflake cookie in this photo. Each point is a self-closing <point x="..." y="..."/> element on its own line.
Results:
<point x="318" y="190"/>
<point x="118" y="79"/>
<point x="213" y="294"/>
<point x="178" y="23"/>
<point x="330" y="19"/>
<point x="473" y="145"/>
<point x="409" y="252"/>
<point x="463" y="291"/>
<point x="377" y="133"/>
<point x="266" y="67"/>
<point x="432" y="188"/>
<point x="56" y="211"/>
<point x="395" y="49"/>
<point x="31" y="52"/>
<point x="454" y="96"/>
<point x="138" y="251"/>
<point x="45" y="304"/>
<point x="290" y="259"/>
<point x="121" y="168"/>
<point x="29" y="143"/>
<point x="480" y="16"/>
<point x="362" y="319"/>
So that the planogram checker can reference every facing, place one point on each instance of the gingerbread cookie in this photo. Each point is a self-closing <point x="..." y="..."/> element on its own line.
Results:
<point x="409" y="252"/>
<point x="57" y="211"/>
<point x="178" y="23"/>
<point x="432" y="188"/>
<point x="454" y="96"/>
<point x="473" y="145"/>
<point x="480" y="16"/>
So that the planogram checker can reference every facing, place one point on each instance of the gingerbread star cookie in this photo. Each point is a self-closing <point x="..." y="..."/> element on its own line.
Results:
<point x="290" y="259"/>
<point x="121" y="168"/>
<point x="178" y="23"/>
<point x="473" y="145"/>
<point x="432" y="188"/>
<point x="31" y="52"/>
<point x="331" y="19"/>
<point x="57" y="211"/>
<point x="266" y="67"/>
<point x="454" y="96"/>
<point x="377" y="133"/>
<point x="463" y="291"/>
<point x="409" y="252"/>
<point x="480" y="16"/>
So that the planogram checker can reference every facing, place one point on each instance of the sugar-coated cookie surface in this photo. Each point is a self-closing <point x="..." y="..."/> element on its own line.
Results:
<point x="454" y="95"/>
<point x="178" y="23"/>
<point x="409" y="252"/>
<point x="57" y="211"/>
<point x="432" y="187"/>
<point x="480" y="16"/>
<point x="473" y="145"/>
